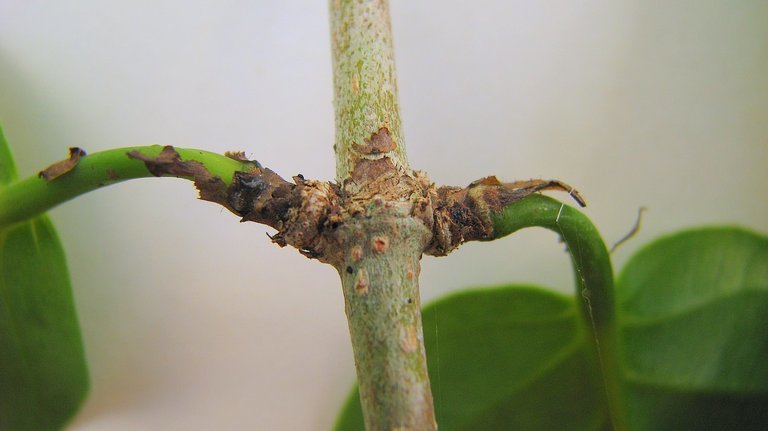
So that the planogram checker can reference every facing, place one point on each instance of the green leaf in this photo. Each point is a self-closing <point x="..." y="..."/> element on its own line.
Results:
<point x="7" y="167"/>
<point x="693" y="310"/>
<point x="514" y="357"/>
<point x="43" y="376"/>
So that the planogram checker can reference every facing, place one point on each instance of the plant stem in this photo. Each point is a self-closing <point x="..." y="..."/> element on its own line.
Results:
<point x="32" y="196"/>
<point x="594" y="278"/>
<point x="382" y="241"/>
<point x="380" y="280"/>
<point x="365" y="86"/>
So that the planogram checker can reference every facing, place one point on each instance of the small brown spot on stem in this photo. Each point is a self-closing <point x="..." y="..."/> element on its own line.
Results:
<point x="169" y="162"/>
<point x="379" y="142"/>
<point x="236" y="155"/>
<point x="240" y="157"/>
<point x="361" y="283"/>
<point x="357" y="253"/>
<point x="409" y="339"/>
<point x="409" y="274"/>
<point x="62" y="167"/>
<point x="112" y="175"/>
<point x="368" y="170"/>
<point x="379" y="244"/>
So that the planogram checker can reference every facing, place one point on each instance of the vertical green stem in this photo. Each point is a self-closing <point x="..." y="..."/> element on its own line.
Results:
<point x="365" y="86"/>
<point x="594" y="278"/>
<point x="380" y="280"/>
<point x="383" y="242"/>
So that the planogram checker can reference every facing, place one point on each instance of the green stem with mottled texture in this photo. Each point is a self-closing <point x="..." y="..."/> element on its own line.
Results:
<point x="365" y="86"/>
<point x="32" y="196"/>
<point x="380" y="280"/>
<point x="594" y="278"/>
<point x="380" y="272"/>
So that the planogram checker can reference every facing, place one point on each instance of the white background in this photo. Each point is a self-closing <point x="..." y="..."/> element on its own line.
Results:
<point x="193" y="321"/>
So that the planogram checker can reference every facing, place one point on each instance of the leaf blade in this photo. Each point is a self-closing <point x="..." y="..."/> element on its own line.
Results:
<point x="693" y="308"/>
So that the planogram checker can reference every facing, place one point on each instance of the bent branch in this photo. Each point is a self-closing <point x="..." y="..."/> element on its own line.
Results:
<point x="592" y="269"/>
<point x="80" y="174"/>
<point x="465" y="214"/>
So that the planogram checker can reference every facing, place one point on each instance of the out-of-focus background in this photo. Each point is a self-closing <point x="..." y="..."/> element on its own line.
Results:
<point x="193" y="321"/>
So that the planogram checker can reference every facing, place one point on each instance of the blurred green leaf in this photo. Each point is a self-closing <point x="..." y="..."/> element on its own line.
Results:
<point x="514" y="357"/>
<point x="7" y="167"/>
<point x="43" y="376"/>
<point x="693" y="308"/>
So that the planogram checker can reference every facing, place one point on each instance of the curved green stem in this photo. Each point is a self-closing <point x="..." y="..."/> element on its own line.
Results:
<point x="594" y="278"/>
<point x="27" y="198"/>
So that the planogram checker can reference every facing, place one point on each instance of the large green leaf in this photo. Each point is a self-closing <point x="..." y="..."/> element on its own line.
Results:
<point x="507" y="358"/>
<point x="693" y="309"/>
<point x="43" y="377"/>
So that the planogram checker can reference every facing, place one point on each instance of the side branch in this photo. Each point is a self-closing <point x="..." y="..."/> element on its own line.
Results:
<point x="593" y="274"/>
<point x="488" y="209"/>
<point x="80" y="174"/>
<point x="464" y="214"/>
<point x="299" y="211"/>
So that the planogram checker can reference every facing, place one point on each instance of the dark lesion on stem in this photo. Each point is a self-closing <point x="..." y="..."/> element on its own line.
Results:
<point x="463" y="214"/>
<point x="305" y="212"/>
<point x="169" y="163"/>
<point x="62" y="167"/>
<point x="299" y="210"/>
